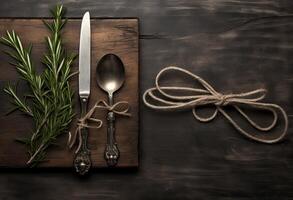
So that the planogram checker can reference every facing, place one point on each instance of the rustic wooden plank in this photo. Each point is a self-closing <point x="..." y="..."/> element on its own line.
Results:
<point x="118" y="36"/>
<point x="180" y="158"/>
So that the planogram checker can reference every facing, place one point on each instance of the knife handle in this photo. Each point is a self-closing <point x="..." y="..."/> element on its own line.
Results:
<point x="82" y="161"/>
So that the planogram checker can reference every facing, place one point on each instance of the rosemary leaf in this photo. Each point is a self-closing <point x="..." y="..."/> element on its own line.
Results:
<point x="50" y="98"/>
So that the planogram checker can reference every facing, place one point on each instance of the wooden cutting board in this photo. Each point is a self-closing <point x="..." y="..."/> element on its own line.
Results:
<point x="118" y="36"/>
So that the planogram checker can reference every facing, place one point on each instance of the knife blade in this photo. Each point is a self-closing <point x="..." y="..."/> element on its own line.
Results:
<point x="85" y="57"/>
<point x="82" y="161"/>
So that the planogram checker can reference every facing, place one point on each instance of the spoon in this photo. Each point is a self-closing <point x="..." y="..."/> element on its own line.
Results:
<point x="110" y="77"/>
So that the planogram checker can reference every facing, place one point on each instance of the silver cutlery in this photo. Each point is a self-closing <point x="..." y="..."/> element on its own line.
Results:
<point x="82" y="161"/>
<point x="110" y="76"/>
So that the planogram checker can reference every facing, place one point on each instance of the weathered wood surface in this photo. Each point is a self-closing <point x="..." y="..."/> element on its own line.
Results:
<point x="119" y="36"/>
<point x="236" y="45"/>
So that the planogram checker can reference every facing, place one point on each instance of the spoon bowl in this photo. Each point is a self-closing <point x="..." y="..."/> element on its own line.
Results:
<point x="110" y="73"/>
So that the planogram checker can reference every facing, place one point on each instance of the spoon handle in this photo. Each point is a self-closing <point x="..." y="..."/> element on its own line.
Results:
<point x="111" y="152"/>
<point x="82" y="161"/>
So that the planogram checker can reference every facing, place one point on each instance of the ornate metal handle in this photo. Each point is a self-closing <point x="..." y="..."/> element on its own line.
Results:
<point x="82" y="160"/>
<point x="111" y="152"/>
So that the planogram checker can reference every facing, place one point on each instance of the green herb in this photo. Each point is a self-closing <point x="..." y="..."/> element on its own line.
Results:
<point x="49" y="103"/>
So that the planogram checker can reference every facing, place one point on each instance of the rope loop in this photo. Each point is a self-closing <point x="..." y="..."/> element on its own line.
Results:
<point x="163" y="100"/>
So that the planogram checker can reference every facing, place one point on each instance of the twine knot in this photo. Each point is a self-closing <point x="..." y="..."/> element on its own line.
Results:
<point x="209" y="96"/>
<point x="223" y="100"/>
<point x="120" y="108"/>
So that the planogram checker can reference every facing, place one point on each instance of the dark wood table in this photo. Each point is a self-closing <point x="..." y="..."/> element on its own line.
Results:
<point x="236" y="45"/>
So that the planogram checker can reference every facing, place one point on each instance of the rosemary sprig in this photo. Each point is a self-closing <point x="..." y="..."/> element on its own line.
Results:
<point x="49" y="103"/>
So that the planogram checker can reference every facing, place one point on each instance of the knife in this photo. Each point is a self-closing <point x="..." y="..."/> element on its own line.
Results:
<point x="82" y="161"/>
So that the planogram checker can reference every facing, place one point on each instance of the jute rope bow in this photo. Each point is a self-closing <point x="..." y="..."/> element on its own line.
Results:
<point x="209" y="96"/>
<point x="120" y="108"/>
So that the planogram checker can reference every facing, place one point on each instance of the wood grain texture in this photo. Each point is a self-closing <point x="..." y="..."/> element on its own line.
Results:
<point x="119" y="36"/>
<point x="236" y="45"/>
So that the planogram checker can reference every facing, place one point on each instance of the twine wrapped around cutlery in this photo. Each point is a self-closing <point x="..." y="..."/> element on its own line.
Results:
<point x="209" y="96"/>
<point x="119" y="108"/>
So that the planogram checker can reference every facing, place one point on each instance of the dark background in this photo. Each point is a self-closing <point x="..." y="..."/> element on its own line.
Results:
<point x="235" y="45"/>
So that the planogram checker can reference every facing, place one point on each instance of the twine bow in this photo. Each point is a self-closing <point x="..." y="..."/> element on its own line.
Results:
<point x="209" y="96"/>
<point x="120" y="108"/>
